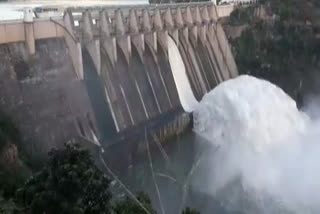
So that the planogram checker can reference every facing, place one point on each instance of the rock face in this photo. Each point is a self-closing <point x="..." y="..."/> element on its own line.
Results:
<point x="9" y="156"/>
<point x="42" y="94"/>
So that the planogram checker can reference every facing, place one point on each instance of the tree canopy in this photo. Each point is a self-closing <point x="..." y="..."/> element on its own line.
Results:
<point x="70" y="183"/>
<point x="282" y="48"/>
<point x="128" y="206"/>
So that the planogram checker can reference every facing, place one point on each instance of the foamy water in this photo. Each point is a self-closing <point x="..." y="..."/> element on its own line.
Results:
<point x="266" y="145"/>
<point x="248" y="110"/>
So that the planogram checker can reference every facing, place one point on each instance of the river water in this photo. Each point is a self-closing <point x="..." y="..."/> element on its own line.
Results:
<point x="176" y="166"/>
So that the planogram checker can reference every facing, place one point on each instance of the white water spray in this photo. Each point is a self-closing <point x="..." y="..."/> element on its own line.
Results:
<point x="186" y="96"/>
<point x="265" y="142"/>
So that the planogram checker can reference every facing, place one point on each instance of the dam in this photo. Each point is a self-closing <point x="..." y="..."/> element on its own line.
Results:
<point x="104" y="74"/>
<point x="154" y="94"/>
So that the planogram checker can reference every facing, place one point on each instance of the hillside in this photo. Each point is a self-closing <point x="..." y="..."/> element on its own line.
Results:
<point x="279" y="41"/>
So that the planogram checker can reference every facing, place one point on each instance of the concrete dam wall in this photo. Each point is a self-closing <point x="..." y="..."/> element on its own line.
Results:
<point x="41" y="94"/>
<point x="104" y="75"/>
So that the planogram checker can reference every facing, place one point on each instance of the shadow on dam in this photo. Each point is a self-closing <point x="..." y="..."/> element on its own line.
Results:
<point x="146" y="94"/>
<point x="96" y="94"/>
<point x="122" y="85"/>
<point x="156" y="78"/>
<point x="129" y="96"/>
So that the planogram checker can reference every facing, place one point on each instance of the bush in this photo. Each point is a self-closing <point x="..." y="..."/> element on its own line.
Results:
<point x="7" y="206"/>
<point x="128" y="206"/>
<point x="190" y="211"/>
<point x="242" y="16"/>
<point x="285" y="51"/>
<point x="70" y="183"/>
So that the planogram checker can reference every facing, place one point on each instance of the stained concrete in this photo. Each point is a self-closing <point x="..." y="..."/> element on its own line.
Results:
<point x="43" y="96"/>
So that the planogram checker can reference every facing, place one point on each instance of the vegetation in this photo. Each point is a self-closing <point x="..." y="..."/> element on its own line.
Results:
<point x="190" y="211"/>
<point x="282" y="47"/>
<point x="316" y="3"/>
<point x="70" y="183"/>
<point x="242" y="16"/>
<point x="128" y="206"/>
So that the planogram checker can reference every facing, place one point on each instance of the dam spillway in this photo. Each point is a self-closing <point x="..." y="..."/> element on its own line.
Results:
<point x="104" y="74"/>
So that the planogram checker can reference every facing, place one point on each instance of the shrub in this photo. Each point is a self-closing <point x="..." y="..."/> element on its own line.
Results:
<point x="70" y="183"/>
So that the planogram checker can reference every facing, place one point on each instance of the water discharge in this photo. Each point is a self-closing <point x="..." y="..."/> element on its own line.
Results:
<point x="268" y="156"/>
<point x="186" y="96"/>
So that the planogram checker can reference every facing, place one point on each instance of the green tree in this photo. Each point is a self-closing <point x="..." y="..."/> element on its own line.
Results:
<point x="190" y="211"/>
<point x="70" y="183"/>
<point x="7" y="206"/>
<point x="242" y="16"/>
<point x="128" y="206"/>
<point x="282" y="47"/>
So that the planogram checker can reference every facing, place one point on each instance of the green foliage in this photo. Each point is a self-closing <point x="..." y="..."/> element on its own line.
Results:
<point x="70" y="183"/>
<point x="283" y="51"/>
<point x="128" y="206"/>
<point x="316" y="3"/>
<point x="287" y="10"/>
<point x="7" y="206"/>
<point x="242" y="16"/>
<point x="190" y="211"/>
<point x="11" y="179"/>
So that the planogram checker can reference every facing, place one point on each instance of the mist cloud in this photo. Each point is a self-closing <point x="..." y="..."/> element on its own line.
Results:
<point x="269" y="152"/>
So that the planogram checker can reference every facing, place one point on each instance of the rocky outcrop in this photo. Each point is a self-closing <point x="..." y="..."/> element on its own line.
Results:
<point x="9" y="157"/>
